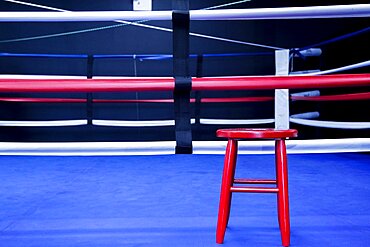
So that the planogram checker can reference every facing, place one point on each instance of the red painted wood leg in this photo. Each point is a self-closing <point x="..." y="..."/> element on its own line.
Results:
<point x="282" y="196"/>
<point x="235" y="157"/>
<point x="227" y="181"/>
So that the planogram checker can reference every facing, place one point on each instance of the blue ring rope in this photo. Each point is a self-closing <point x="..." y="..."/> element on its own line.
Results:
<point x="345" y="36"/>
<point x="43" y="55"/>
<point x="145" y="56"/>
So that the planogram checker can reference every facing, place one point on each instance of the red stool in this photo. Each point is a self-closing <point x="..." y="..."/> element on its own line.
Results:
<point x="281" y="181"/>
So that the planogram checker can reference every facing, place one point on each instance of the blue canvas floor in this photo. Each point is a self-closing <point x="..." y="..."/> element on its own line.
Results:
<point x="172" y="201"/>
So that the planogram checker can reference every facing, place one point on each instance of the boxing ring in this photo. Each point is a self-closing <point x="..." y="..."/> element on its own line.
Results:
<point x="119" y="194"/>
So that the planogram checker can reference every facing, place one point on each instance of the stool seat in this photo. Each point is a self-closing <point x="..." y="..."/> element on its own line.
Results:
<point x="250" y="133"/>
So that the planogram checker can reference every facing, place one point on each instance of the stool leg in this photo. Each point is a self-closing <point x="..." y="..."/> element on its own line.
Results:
<point x="225" y="197"/>
<point x="282" y="195"/>
<point x="232" y="168"/>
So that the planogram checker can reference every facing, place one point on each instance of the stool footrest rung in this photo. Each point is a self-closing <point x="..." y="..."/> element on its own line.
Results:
<point x="254" y="189"/>
<point x="254" y="181"/>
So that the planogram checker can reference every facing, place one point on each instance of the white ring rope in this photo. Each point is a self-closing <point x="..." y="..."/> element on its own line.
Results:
<point x="52" y="123"/>
<point x="335" y="11"/>
<point x="135" y="123"/>
<point x="56" y="9"/>
<point x="340" y="69"/>
<point x="298" y="119"/>
<point x="163" y="123"/>
<point x="168" y="147"/>
<point x="130" y="123"/>
<point x="235" y="121"/>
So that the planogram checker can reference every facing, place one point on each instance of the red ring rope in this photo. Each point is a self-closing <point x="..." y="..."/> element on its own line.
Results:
<point x="42" y="100"/>
<point x="69" y="100"/>
<point x="167" y="84"/>
<point x="236" y="100"/>
<point x="280" y="82"/>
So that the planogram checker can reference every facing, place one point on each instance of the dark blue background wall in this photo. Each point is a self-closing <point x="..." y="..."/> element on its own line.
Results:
<point x="138" y="40"/>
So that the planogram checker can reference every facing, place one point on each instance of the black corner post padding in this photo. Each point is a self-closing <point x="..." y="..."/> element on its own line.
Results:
<point x="181" y="74"/>
<point x="89" y="96"/>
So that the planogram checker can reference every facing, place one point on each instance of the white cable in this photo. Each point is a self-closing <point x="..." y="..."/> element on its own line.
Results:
<point x="62" y="34"/>
<point x="36" y="5"/>
<point x="139" y="24"/>
<point x="227" y="4"/>
<point x="201" y="35"/>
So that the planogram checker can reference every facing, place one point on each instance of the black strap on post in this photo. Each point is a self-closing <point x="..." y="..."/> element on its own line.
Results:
<point x="89" y="96"/>
<point x="181" y="74"/>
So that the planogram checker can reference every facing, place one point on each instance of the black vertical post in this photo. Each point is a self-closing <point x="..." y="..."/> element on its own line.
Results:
<point x="181" y="74"/>
<point x="89" y="96"/>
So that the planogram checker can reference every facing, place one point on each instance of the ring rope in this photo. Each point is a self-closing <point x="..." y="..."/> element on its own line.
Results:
<point x="164" y="123"/>
<point x="134" y="123"/>
<point x="80" y="100"/>
<point x="340" y="69"/>
<point x="331" y="124"/>
<point x="130" y="123"/>
<point x="56" y="9"/>
<point x="334" y="11"/>
<point x="339" y="38"/>
<point x="339" y="97"/>
<point x="209" y="121"/>
<point x="123" y="56"/>
<point x="45" y="123"/>
<point x="154" y="56"/>
<point x="167" y="84"/>
<point x="62" y="10"/>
